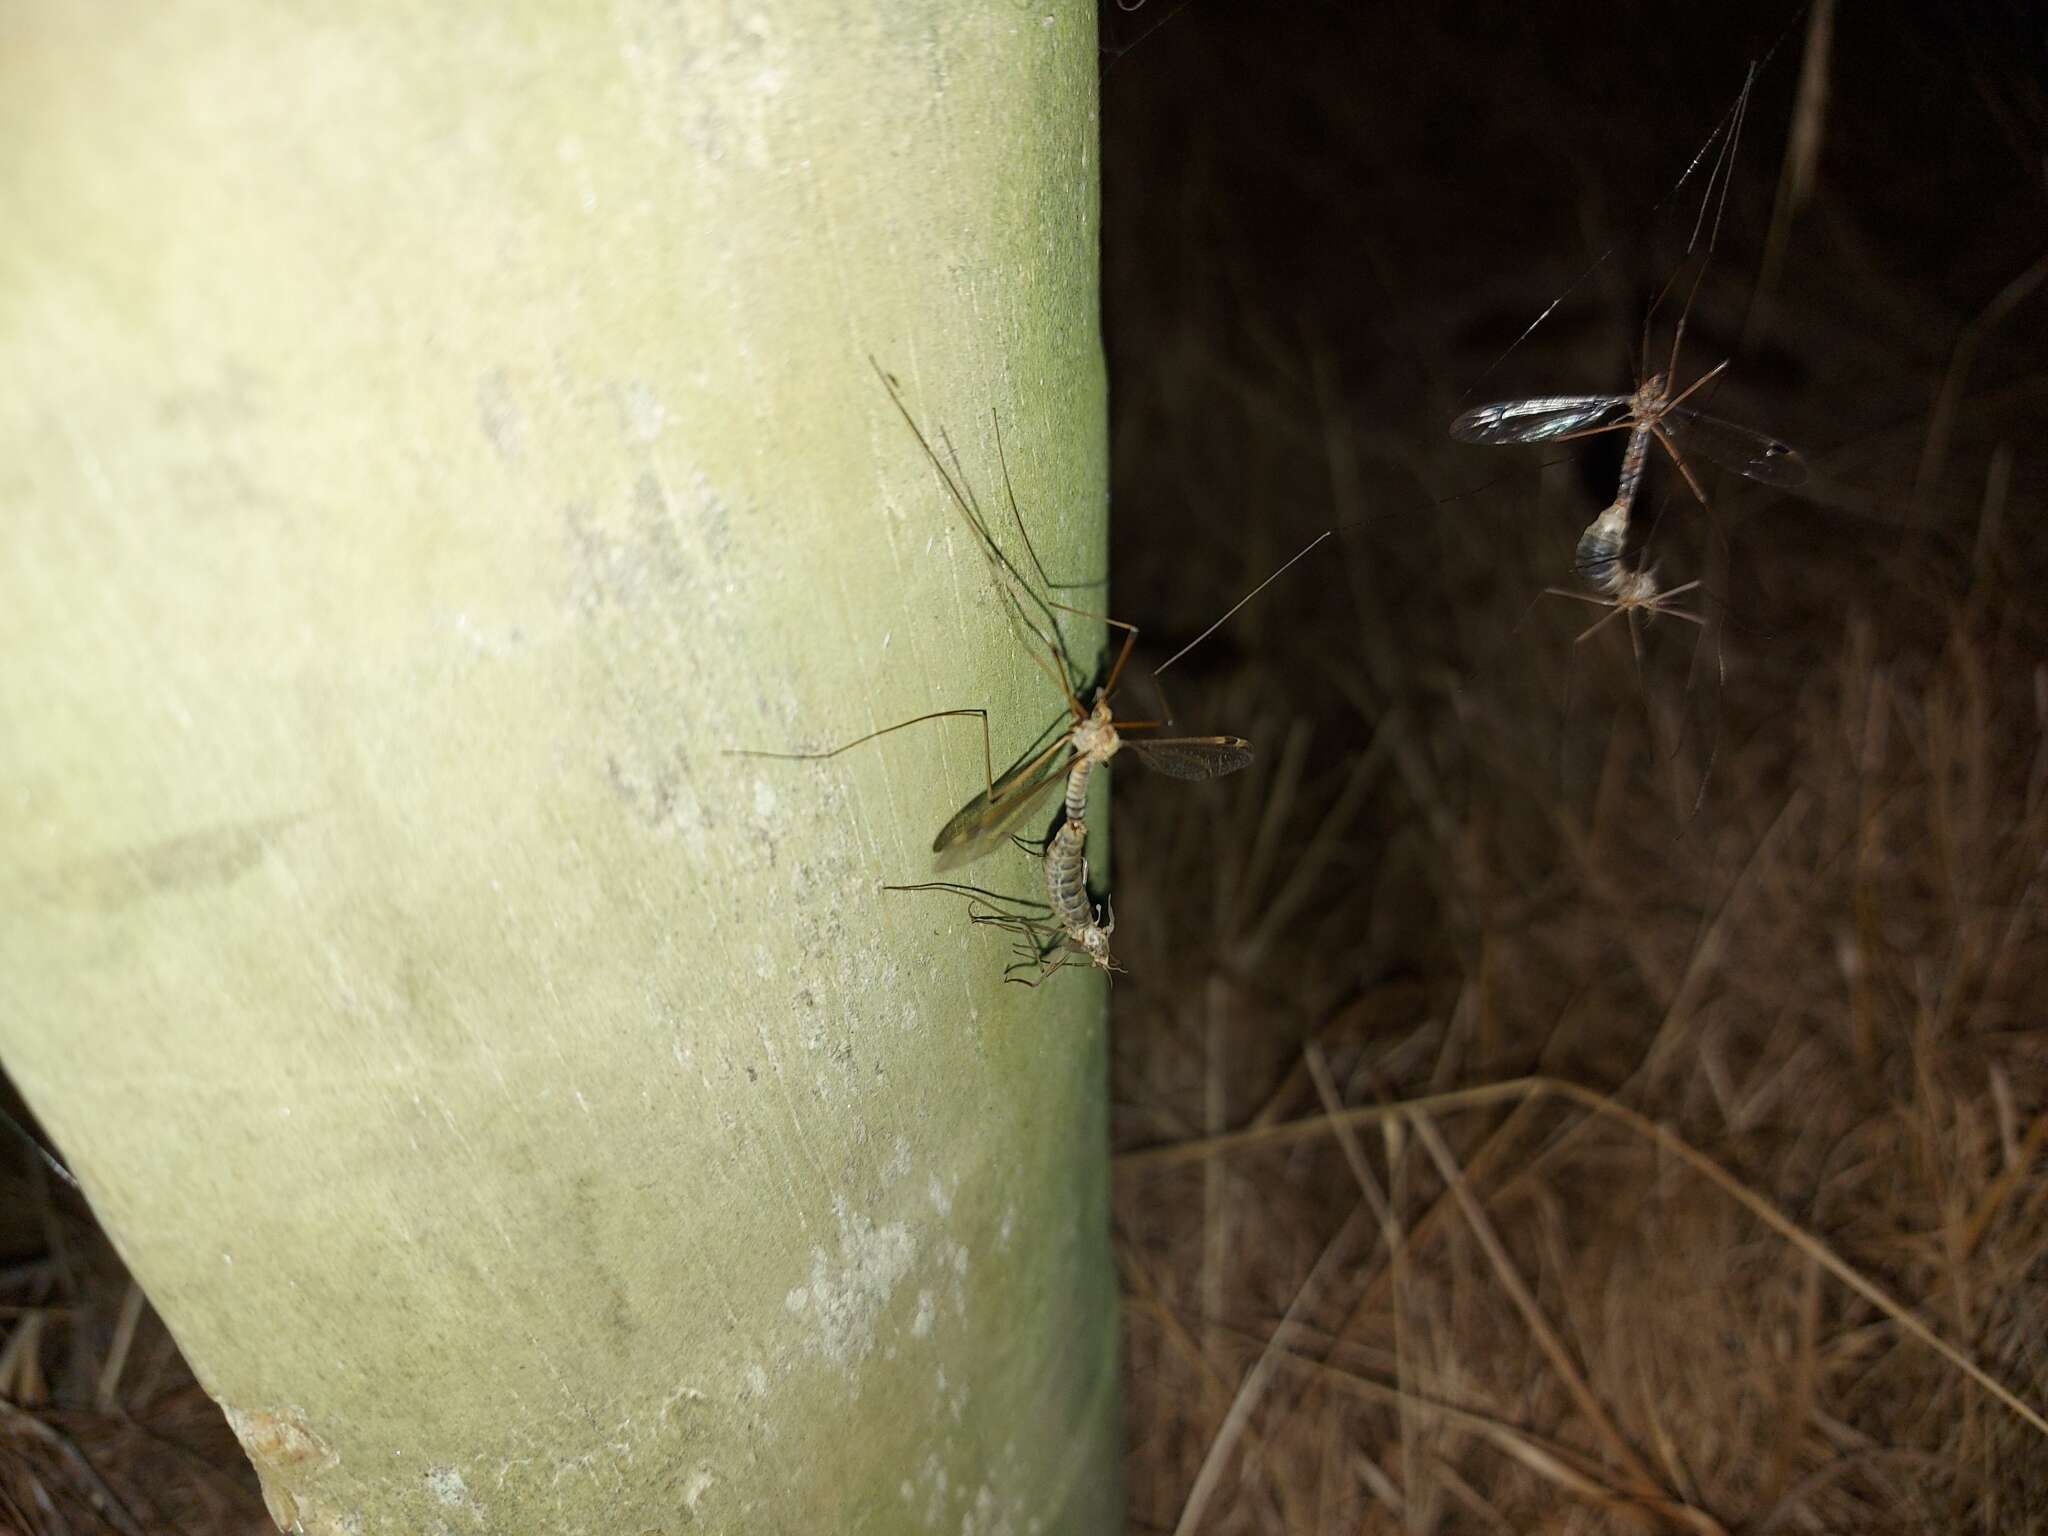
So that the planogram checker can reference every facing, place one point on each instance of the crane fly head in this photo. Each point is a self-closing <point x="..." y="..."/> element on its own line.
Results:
<point x="1094" y="940"/>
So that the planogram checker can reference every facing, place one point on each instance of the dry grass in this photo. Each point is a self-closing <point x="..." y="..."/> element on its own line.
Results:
<point x="1519" y="1147"/>
<point x="102" y="1428"/>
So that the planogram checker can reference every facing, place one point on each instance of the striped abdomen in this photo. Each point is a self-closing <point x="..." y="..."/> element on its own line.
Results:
<point x="1077" y="791"/>
<point x="1066" y="878"/>
<point x="1633" y="461"/>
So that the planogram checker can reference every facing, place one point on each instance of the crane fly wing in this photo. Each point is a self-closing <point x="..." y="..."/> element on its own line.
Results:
<point x="1534" y="420"/>
<point x="1193" y="757"/>
<point x="983" y="822"/>
<point x="1754" y="454"/>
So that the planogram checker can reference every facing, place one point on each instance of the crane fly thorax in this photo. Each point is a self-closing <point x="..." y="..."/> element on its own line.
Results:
<point x="1636" y="589"/>
<point x="1095" y="738"/>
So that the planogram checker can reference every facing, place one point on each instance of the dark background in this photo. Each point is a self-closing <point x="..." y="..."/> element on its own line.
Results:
<point x="1777" y="887"/>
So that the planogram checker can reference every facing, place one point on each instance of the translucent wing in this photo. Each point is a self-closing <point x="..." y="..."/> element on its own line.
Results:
<point x="1544" y="416"/>
<point x="1748" y="453"/>
<point x="983" y="822"/>
<point x="1193" y="757"/>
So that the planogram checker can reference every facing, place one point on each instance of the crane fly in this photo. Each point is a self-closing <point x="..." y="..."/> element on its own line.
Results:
<point x="1649" y="412"/>
<point x="1092" y="735"/>
<point x="1086" y="735"/>
<point x="1632" y="592"/>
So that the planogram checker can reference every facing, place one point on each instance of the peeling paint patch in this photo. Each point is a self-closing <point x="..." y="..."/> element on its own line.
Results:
<point x="921" y="1325"/>
<point x="281" y="1437"/>
<point x="288" y="1456"/>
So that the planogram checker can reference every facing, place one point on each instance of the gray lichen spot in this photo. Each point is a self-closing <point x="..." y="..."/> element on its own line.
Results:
<point x="985" y="1518"/>
<point x="932" y="1481"/>
<point x="848" y="1291"/>
<point x="899" y="1159"/>
<point x="699" y="1484"/>
<point x="447" y="1487"/>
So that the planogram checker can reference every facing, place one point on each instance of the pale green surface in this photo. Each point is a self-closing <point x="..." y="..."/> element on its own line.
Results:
<point x="432" y="434"/>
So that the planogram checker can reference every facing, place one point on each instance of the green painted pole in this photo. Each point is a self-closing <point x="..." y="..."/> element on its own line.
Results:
<point x="430" y="436"/>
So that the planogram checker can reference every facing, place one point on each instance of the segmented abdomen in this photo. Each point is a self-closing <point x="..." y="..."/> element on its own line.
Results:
<point x="1077" y="789"/>
<point x="1066" y="878"/>
<point x="1632" y="461"/>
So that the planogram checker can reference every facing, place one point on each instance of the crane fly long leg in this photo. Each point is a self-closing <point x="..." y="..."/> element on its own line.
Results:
<point x="1753" y="455"/>
<point x="1017" y="517"/>
<point x="987" y="753"/>
<point x="1626" y="424"/>
<point x="1658" y="603"/>
<point x="1674" y="401"/>
<point x="1039" y="934"/>
<point x="986" y="906"/>
<point x="1663" y="437"/>
<point x="1007" y="577"/>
